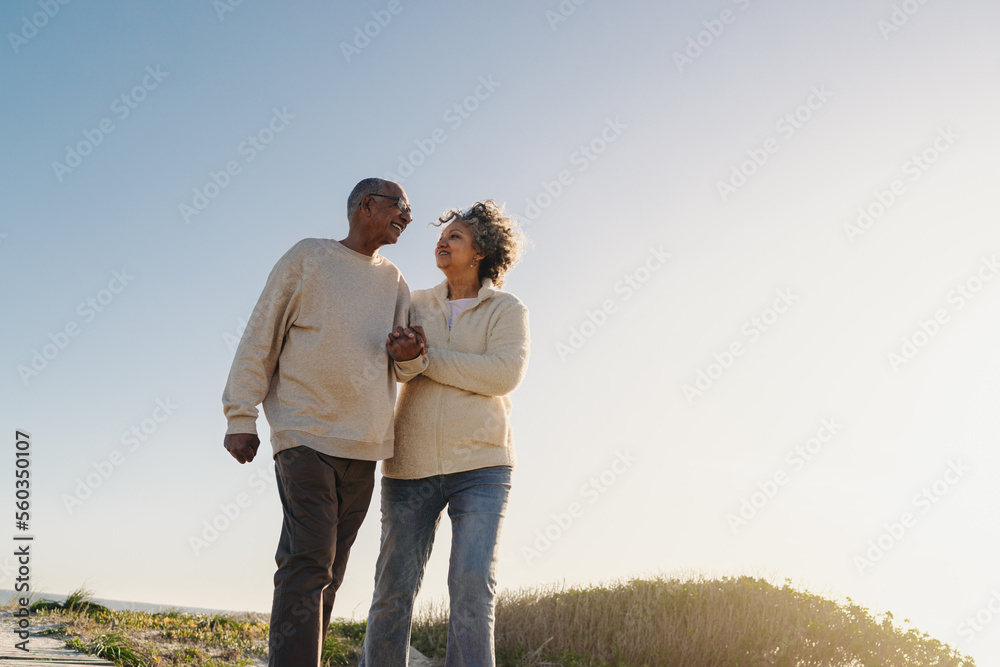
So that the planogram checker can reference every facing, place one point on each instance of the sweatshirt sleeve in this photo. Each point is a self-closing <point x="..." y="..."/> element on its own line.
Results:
<point x="257" y="354"/>
<point x="497" y="372"/>
<point x="406" y="370"/>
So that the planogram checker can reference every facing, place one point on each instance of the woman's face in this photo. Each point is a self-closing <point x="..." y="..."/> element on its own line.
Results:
<point x="454" y="249"/>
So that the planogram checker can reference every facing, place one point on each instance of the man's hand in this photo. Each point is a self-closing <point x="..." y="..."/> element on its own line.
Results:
<point x="243" y="446"/>
<point x="420" y="335"/>
<point x="406" y="344"/>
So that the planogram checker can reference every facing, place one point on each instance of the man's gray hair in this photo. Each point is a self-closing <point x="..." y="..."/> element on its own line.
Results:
<point x="367" y="186"/>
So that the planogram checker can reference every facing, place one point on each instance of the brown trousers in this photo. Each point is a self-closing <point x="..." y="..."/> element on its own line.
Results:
<point x="324" y="499"/>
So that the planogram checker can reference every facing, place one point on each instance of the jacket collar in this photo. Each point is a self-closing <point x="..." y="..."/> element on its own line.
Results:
<point x="486" y="290"/>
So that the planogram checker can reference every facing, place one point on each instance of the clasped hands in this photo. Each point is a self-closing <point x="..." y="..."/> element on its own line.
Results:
<point x="406" y="343"/>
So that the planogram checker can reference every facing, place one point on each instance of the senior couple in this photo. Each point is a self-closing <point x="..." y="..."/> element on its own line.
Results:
<point x="333" y="331"/>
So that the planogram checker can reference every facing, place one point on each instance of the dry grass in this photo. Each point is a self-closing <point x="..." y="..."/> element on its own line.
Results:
<point x="659" y="622"/>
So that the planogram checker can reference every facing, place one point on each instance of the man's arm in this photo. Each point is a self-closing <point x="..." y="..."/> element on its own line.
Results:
<point x="257" y="356"/>
<point x="405" y="370"/>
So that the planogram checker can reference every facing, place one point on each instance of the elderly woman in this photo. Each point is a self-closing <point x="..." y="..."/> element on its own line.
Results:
<point x="467" y="350"/>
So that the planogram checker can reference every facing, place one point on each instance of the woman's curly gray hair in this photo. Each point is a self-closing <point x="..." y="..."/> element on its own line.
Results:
<point x="494" y="233"/>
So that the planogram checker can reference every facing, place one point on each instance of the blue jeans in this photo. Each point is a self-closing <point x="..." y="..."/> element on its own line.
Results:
<point x="411" y="510"/>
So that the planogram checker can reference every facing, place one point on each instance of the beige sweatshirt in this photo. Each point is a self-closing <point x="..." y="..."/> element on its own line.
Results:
<point x="314" y="353"/>
<point x="453" y="413"/>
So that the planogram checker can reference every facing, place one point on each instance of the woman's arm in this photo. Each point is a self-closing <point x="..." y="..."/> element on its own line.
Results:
<point x="497" y="372"/>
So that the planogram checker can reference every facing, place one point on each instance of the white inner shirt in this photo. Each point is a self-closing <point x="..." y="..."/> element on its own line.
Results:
<point x="457" y="306"/>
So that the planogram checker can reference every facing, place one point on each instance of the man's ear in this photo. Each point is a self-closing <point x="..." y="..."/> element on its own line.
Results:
<point x="366" y="205"/>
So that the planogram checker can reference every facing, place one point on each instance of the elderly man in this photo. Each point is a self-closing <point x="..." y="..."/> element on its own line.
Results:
<point x="314" y="353"/>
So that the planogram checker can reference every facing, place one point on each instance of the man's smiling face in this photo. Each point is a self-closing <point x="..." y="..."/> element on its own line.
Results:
<point x="388" y="217"/>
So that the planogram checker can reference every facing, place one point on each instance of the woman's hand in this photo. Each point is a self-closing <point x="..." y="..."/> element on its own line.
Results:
<point x="406" y="344"/>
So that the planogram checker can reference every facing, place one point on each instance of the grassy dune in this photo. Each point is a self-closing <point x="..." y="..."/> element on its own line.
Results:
<point x="727" y="622"/>
<point x="741" y="621"/>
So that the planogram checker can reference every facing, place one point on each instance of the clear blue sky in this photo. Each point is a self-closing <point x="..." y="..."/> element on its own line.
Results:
<point x="703" y="295"/>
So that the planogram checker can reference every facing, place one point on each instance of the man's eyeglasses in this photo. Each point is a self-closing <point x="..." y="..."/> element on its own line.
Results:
<point x="403" y="206"/>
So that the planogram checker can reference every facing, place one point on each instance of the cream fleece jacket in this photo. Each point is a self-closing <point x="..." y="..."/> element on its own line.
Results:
<point x="454" y="410"/>
<point x="314" y="353"/>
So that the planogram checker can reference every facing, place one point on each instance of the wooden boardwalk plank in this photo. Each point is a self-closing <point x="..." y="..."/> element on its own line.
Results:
<point x="42" y="650"/>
